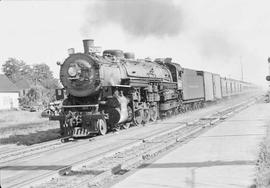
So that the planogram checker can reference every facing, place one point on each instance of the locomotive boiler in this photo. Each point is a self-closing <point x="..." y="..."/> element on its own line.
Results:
<point x="113" y="90"/>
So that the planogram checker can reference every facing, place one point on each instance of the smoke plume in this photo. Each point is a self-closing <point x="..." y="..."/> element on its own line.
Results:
<point x="138" y="18"/>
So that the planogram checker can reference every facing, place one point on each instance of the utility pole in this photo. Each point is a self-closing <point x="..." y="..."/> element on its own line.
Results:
<point x="268" y="79"/>
<point x="242" y="73"/>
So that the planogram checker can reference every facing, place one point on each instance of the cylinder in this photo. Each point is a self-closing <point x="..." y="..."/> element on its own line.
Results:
<point x="87" y="44"/>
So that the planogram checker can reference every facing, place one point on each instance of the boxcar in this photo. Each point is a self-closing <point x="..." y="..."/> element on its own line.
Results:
<point x="224" y="87"/>
<point x="234" y="87"/>
<point x="231" y="90"/>
<point x="193" y="85"/>
<point x="208" y="86"/>
<point x="217" y="86"/>
<point x="228" y="86"/>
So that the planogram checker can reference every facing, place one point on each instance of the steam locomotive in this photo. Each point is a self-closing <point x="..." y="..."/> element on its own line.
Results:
<point x="113" y="90"/>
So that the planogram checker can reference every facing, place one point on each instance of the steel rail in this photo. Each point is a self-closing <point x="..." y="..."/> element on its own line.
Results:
<point x="108" y="152"/>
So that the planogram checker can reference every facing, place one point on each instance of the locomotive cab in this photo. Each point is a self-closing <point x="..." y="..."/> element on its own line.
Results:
<point x="175" y="69"/>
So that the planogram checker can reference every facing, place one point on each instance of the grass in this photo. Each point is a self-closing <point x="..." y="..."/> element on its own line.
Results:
<point x="32" y="138"/>
<point x="263" y="164"/>
<point x="27" y="128"/>
<point x="12" y="118"/>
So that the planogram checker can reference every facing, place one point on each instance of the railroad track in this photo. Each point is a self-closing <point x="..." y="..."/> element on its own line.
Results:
<point x="151" y="147"/>
<point x="184" y="129"/>
<point x="94" y="170"/>
<point x="53" y="144"/>
<point x="31" y="150"/>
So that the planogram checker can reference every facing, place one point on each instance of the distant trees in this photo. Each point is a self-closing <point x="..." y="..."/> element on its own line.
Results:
<point x="39" y="76"/>
<point x="15" y="69"/>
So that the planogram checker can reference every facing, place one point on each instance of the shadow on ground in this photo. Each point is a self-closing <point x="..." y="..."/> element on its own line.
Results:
<point x="32" y="138"/>
<point x="197" y="164"/>
<point x="35" y="167"/>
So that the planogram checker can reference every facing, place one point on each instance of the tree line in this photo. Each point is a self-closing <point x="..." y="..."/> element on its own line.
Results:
<point x="38" y="76"/>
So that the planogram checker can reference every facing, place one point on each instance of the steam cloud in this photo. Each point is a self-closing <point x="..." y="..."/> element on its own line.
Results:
<point x="159" y="18"/>
<point x="139" y="18"/>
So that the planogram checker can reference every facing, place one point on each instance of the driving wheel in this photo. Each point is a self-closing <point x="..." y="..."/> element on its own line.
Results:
<point x="153" y="113"/>
<point x="146" y="116"/>
<point x="102" y="126"/>
<point x="138" y="117"/>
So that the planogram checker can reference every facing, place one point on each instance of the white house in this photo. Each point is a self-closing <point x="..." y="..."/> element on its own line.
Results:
<point x="9" y="94"/>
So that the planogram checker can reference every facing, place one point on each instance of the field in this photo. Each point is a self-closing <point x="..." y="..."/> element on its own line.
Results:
<point x="24" y="127"/>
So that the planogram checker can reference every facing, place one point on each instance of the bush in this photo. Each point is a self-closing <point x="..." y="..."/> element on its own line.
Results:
<point x="39" y="77"/>
<point x="263" y="163"/>
<point x="37" y="96"/>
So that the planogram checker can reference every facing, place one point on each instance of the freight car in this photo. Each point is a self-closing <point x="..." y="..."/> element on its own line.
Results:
<point x="113" y="90"/>
<point x="193" y="89"/>
<point x="217" y="87"/>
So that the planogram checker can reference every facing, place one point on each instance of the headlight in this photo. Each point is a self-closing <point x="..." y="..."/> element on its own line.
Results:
<point x="72" y="71"/>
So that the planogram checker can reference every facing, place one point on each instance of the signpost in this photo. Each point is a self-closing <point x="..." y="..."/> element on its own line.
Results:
<point x="268" y="79"/>
<point x="268" y="76"/>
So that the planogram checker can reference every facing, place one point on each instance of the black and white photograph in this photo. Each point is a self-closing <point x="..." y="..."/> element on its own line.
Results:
<point x="134" y="94"/>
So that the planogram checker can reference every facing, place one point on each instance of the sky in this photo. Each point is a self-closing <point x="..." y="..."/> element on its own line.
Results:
<point x="215" y="36"/>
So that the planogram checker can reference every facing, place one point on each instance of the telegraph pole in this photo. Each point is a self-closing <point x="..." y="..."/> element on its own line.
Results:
<point x="242" y="73"/>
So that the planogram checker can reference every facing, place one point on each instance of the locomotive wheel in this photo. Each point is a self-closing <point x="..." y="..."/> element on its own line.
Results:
<point x="130" y="114"/>
<point x="197" y="106"/>
<point x="153" y="114"/>
<point x="184" y="108"/>
<point x="175" y="111"/>
<point x="146" y="116"/>
<point x="169" y="113"/>
<point x="180" y="110"/>
<point x="102" y="126"/>
<point x="126" y="125"/>
<point x="138" y="117"/>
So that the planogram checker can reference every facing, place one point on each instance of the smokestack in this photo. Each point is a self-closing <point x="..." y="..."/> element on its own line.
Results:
<point x="87" y="44"/>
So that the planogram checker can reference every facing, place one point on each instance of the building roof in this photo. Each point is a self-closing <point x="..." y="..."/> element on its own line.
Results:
<point x="6" y="85"/>
<point x="22" y="84"/>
